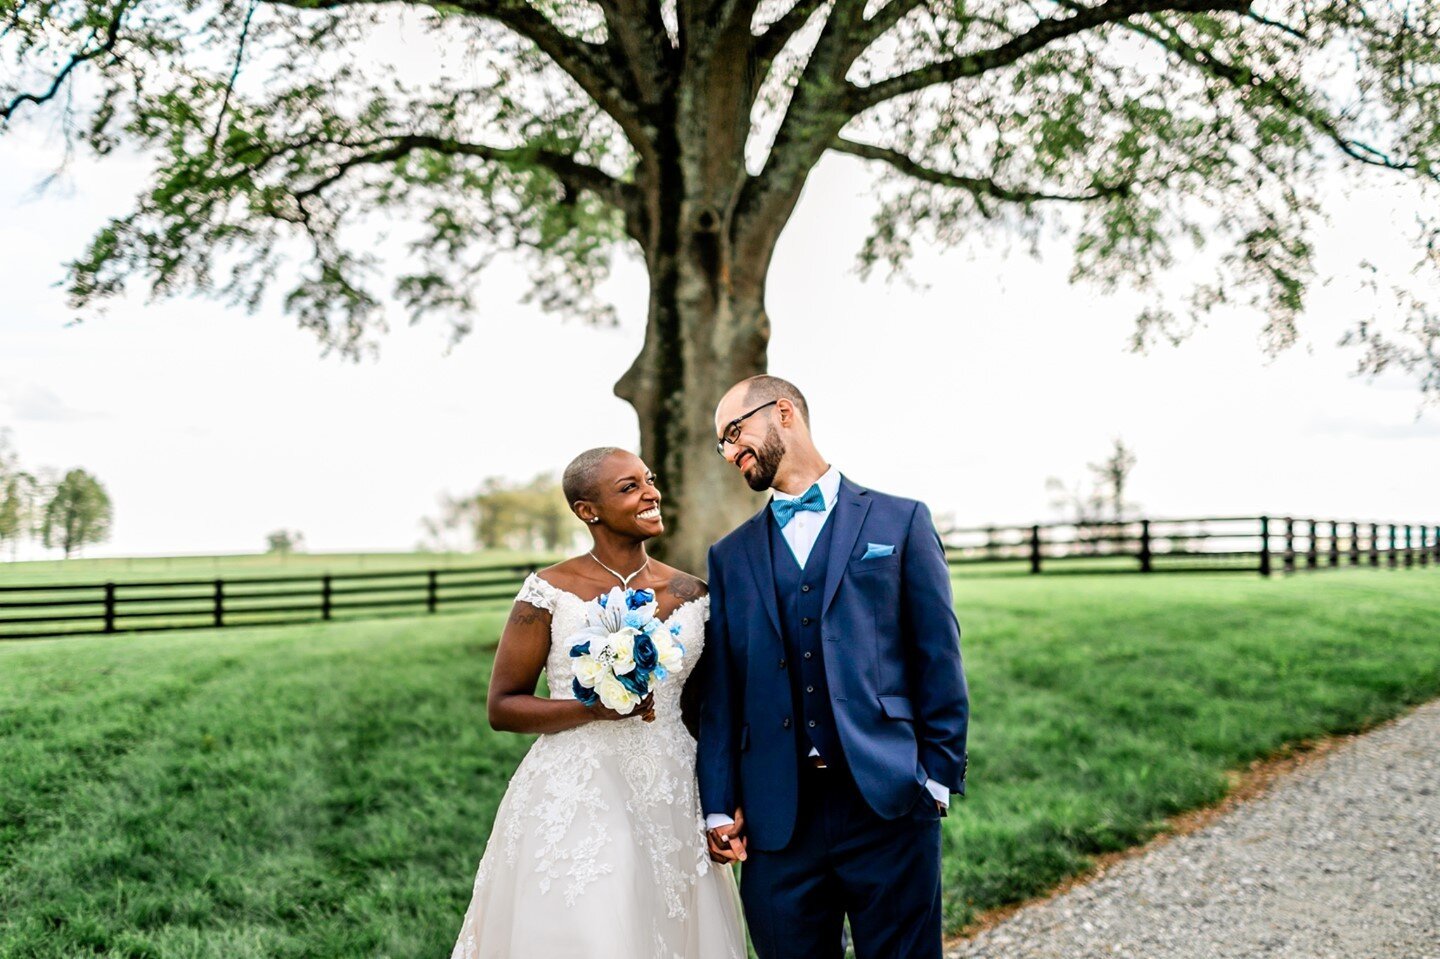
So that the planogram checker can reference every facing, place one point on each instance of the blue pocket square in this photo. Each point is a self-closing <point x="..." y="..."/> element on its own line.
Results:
<point x="876" y="550"/>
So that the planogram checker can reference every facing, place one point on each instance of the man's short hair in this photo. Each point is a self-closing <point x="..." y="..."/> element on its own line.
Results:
<point x="764" y="388"/>
<point x="582" y="476"/>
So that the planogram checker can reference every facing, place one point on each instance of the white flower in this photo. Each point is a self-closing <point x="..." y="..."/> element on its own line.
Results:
<point x="615" y="696"/>
<point x="588" y="670"/>
<point x="670" y="654"/>
<point x="623" y="652"/>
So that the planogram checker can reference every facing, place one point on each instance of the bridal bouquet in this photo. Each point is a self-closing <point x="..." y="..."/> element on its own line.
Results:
<point x="623" y="651"/>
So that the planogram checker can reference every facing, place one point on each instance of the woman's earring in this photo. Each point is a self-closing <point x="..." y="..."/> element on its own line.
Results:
<point x="595" y="520"/>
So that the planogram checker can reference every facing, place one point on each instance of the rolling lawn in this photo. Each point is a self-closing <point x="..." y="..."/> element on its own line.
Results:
<point x="326" y="790"/>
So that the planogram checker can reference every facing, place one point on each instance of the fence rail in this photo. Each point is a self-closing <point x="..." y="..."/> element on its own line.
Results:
<point x="1252" y="544"/>
<point x="80" y="609"/>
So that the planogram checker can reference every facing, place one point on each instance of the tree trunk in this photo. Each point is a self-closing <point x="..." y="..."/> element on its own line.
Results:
<point x="706" y="331"/>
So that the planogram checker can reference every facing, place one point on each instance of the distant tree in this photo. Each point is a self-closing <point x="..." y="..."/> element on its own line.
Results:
<point x="1111" y="477"/>
<point x="505" y="514"/>
<point x="78" y="513"/>
<point x="285" y="542"/>
<point x="20" y="512"/>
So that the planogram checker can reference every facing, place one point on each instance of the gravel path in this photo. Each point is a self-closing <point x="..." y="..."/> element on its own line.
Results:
<point x="1340" y="859"/>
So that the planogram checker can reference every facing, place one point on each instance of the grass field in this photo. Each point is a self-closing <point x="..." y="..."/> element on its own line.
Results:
<point x="325" y="791"/>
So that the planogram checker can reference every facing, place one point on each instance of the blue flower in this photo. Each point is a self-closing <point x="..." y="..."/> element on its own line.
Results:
<point x="587" y="697"/>
<point x="636" y="598"/>
<point x="635" y="682"/>
<point x="674" y="629"/>
<point x="635" y="620"/>
<point x="647" y="657"/>
<point x="581" y="650"/>
<point x="660" y="673"/>
<point x="651" y="626"/>
<point x="602" y="599"/>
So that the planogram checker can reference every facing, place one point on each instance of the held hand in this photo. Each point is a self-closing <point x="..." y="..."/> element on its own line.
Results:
<point x="727" y="843"/>
<point x="645" y="709"/>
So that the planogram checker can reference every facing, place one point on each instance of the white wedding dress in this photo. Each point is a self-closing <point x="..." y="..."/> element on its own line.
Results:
<point x="598" y="847"/>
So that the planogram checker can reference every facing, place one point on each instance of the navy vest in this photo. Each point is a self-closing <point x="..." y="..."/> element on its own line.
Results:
<point x="800" y="596"/>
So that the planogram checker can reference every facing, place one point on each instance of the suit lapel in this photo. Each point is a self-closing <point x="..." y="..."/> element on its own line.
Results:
<point x="851" y="505"/>
<point x="757" y="543"/>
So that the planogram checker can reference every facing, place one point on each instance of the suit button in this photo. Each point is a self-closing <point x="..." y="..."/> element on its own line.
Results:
<point x="807" y="655"/>
<point x="782" y="664"/>
<point x="812" y="724"/>
<point x="809" y="689"/>
<point x="805" y="621"/>
<point x="805" y="588"/>
<point x="786" y="723"/>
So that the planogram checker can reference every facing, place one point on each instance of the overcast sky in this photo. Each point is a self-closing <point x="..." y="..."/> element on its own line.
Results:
<point x="211" y="427"/>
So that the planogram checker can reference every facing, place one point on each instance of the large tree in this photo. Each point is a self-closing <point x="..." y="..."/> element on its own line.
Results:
<point x="686" y="130"/>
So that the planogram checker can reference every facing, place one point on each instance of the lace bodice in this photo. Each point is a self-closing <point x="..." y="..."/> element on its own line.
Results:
<point x="567" y="617"/>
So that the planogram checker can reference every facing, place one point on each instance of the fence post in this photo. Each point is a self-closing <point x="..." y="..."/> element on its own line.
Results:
<point x="1035" y="549"/>
<point x="325" y="596"/>
<point x="1264" y="546"/>
<point x="1422" y="532"/>
<point x="219" y="602"/>
<point x="1437" y="544"/>
<point x="1311" y="559"/>
<point x="1334" y="543"/>
<point x="1374" y="544"/>
<point x="109" y="607"/>
<point x="1393" y="560"/>
<point x="1144" y="546"/>
<point x="430" y="591"/>
<point x="1289" y="544"/>
<point x="1354" y="544"/>
<point x="1409" y="551"/>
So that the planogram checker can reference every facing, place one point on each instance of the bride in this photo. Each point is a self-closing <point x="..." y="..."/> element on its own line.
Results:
<point x="598" y="847"/>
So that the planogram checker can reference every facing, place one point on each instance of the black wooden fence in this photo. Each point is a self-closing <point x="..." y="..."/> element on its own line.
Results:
<point x="1262" y="544"/>
<point x="1253" y="544"/>
<point x="73" y="609"/>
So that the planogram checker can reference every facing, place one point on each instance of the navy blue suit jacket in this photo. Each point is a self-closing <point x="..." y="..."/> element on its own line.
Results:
<point x="892" y="659"/>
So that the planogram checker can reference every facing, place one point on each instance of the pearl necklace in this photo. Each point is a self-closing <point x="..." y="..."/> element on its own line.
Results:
<point x="624" y="580"/>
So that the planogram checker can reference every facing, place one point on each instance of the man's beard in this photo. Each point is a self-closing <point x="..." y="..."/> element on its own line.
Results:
<point x="767" y="461"/>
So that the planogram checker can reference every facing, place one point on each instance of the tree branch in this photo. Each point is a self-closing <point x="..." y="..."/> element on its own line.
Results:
<point x="112" y="37"/>
<point x="590" y="65"/>
<point x="977" y="186"/>
<point x="1036" y="38"/>
<point x="1243" y="78"/>
<point x="576" y="176"/>
<point x="769" y="44"/>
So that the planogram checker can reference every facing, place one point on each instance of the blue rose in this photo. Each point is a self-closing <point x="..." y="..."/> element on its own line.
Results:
<point x="581" y="650"/>
<point x="602" y="599"/>
<point x="587" y="697"/>
<point x="640" y="597"/>
<point x="635" y="620"/>
<point x="635" y="681"/>
<point x="647" y="657"/>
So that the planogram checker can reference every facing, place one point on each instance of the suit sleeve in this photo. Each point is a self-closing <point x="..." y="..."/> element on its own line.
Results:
<point x="717" y="752"/>
<point x="938" y="688"/>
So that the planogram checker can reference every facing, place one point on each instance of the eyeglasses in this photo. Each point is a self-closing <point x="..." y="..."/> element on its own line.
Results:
<point x="732" y="428"/>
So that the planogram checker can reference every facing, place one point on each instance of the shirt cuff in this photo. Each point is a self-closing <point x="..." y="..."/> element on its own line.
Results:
<point x="941" y="794"/>
<point x="717" y="819"/>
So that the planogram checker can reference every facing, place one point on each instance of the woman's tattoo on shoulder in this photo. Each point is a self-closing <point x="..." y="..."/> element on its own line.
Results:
<point x="524" y="614"/>
<point x="685" y="587"/>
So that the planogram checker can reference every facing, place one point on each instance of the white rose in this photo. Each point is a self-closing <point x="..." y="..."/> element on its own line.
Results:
<point x="588" y="671"/>
<point x="615" y="696"/>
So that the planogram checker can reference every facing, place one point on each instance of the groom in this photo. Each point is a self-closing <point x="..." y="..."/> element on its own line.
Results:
<point x="835" y="709"/>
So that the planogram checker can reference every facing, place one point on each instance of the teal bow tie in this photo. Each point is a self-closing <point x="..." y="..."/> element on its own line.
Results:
<point x="785" y="509"/>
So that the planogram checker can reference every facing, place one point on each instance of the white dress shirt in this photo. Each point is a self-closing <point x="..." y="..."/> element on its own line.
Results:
<point x="801" y="533"/>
